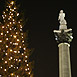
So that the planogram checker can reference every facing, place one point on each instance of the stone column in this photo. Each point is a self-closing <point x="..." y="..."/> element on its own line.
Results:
<point x="63" y="36"/>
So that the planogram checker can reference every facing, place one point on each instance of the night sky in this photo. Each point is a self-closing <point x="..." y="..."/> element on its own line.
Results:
<point x="42" y="20"/>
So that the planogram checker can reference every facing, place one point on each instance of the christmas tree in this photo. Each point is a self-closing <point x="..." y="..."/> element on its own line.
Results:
<point x="14" y="52"/>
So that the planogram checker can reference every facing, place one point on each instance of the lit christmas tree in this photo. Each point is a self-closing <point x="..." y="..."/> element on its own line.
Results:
<point x="14" y="53"/>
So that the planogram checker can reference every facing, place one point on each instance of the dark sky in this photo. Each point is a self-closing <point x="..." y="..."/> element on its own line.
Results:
<point x="43" y="19"/>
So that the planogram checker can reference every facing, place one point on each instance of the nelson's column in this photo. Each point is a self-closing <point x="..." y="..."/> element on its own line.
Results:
<point x="63" y="36"/>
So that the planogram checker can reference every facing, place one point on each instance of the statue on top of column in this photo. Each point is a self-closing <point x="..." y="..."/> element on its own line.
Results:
<point x="61" y="18"/>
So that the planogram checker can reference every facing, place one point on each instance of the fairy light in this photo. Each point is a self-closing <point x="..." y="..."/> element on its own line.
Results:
<point x="16" y="59"/>
<point x="29" y="73"/>
<point x="11" y="57"/>
<point x="17" y="14"/>
<point x="20" y="26"/>
<point x="23" y="44"/>
<point x="15" y="28"/>
<point x="6" y="46"/>
<point x="22" y="54"/>
<point x="23" y="41"/>
<point x="24" y="48"/>
<point x="5" y="34"/>
<point x="25" y="52"/>
<point x="19" y="46"/>
<point x="25" y="60"/>
<point x="12" y="2"/>
<point x="2" y="26"/>
<point x="19" y="60"/>
<point x="14" y="7"/>
<point x="17" y="67"/>
<point x="27" y="64"/>
<point x="5" y="61"/>
<point x="6" y="38"/>
<point x="12" y="74"/>
<point x="11" y="65"/>
<point x="5" y="15"/>
<point x="26" y="70"/>
<point x="15" y="51"/>
<point x="5" y="53"/>
<point x="3" y="50"/>
<point x="10" y="22"/>
<point x="21" y="33"/>
<point x="9" y="6"/>
<point x="18" y="51"/>
<point x="10" y="42"/>
<point x="16" y="32"/>
<point x="10" y="28"/>
<point x="10" y="17"/>
<point x="26" y="56"/>
<point x="11" y="50"/>
<point x="4" y="69"/>
<point x="7" y="31"/>
<point x="17" y="39"/>
<point x="6" y="9"/>
<point x="11" y="13"/>
<point x="10" y="9"/>
<point x="4" y="12"/>
<point x="14" y="36"/>
<point x="0" y="40"/>
<point x="2" y="59"/>
<point x="2" y="15"/>
<point x="15" y="43"/>
<point x="11" y="35"/>
<point x="20" y="29"/>
<point x="1" y="67"/>
<point x="18" y="21"/>
<point x="13" y="20"/>
<point x="4" y="20"/>
<point x="8" y="25"/>
<point x="17" y="76"/>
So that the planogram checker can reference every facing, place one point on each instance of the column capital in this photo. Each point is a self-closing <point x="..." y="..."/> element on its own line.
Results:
<point x="63" y="36"/>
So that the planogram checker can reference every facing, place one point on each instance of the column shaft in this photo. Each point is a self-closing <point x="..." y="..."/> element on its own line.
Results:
<point x="64" y="60"/>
